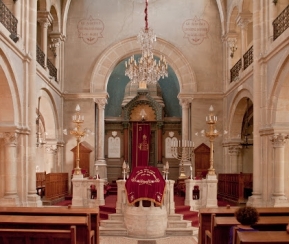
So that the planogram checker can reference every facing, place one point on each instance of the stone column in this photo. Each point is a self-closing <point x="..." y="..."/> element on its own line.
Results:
<point x="185" y="103"/>
<point x="51" y="159"/>
<point x="45" y="19"/>
<point x="125" y="141"/>
<point x="160" y="145"/>
<point x="101" y="139"/>
<point x="272" y="16"/>
<point x="121" y="197"/>
<point x="56" y="40"/>
<point x="234" y="151"/>
<point x="11" y="197"/>
<point x="242" y="20"/>
<point x="278" y="197"/>
<point x="32" y="199"/>
<point x="258" y="79"/>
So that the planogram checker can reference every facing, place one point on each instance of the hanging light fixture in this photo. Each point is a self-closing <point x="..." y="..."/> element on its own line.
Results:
<point x="147" y="70"/>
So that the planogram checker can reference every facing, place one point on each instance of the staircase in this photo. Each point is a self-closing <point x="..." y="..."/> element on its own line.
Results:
<point x="183" y="222"/>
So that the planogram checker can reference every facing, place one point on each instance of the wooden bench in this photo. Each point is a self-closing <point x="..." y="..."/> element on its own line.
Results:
<point x="35" y="236"/>
<point x="206" y="222"/>
<point x="276" y="237"/>
<point x="221" y="226"/>
<point x="86" y="220"/>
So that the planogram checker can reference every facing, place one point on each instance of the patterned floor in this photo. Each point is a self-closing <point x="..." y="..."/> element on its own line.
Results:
<point x="164" y="240"/>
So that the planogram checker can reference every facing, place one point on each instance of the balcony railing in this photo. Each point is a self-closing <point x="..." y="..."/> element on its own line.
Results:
<point x="52" y="69"/>
<point x="9" y="21"/>
<point x="40" y="56"/>
<point x="248" y="58"/>
<point x="281" y="23"/>
<point x="235" y="70"/>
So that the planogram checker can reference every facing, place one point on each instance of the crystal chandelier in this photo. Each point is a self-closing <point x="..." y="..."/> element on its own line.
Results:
<point x="147" y="70"/>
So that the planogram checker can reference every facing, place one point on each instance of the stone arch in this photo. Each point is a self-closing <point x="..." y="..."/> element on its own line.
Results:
<point x="54" y="11"/>
<point x="10" y="112"/>
<point x="232" y="16"/>
<point x="49" y="114"/>
<point x="111" y="56"/>
<point x="278" y="98"/>
<point x="236" y="113"/>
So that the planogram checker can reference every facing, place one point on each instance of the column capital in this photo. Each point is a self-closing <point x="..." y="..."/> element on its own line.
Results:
<point x="279" y="140"/>
<point x="243" y="19"/>
<point x="235" y="149"/>
<point x="51" y="149"/>
<point x="185" y="102"/>
<point x="101" y="102"/>
<point x="44" y="18"/>
<point x="9" y="138"/>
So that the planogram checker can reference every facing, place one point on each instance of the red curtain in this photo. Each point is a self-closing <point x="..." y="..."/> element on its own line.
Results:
<point x="140" y="144"/>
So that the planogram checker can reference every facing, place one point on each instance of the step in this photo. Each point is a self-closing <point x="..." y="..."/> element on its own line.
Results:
<point x="175" y="217"/>
<point x="112" y="223"/>
<point x="103" y="231"/>
<point x="116" y="217"/>
<point x="182" y="231"/>
<point x="179" y="224"/>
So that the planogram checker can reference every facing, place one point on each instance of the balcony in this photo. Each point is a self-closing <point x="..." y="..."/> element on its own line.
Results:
<point x="280" y="24"/>
<point x="9" y="21"/>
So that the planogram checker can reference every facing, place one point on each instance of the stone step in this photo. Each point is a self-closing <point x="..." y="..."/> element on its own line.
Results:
<point x="190" y="231"/>
<point x="103" y="231"/>
<point x="112" y="224"/>
<point x="116" y="216"/>
<point x="179" y="224"/>
<point x="175" y="217"/>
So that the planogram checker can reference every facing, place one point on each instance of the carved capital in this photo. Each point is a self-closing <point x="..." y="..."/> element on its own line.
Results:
<point x="279" y="140"/>
<point x="51" y="148"/>
<point x="185" y="103"/>
<point x="244" y="19"/>
<point x="235" y="150"/>
<point x="10" y="138"/>
<point x="101" y="102"/>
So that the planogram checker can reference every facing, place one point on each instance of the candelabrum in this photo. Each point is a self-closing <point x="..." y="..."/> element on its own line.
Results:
<point x="211" y="120"/>
<point x="166" y="170"/>
<point x="125" y="170"/>
<point x="182" y="151"/>
<point x="78" y="120"/>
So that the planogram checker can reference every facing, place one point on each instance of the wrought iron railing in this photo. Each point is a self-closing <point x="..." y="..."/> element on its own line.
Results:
<point x="8" y="19"/>
<point x="40" y="56"/>
<point x="235" y="70"/>
<point x="52" y="69"/>
<point x="248" y="57"/>
<point x="281" y="23"/>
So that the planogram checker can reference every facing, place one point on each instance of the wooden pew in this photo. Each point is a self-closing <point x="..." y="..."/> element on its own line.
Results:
<point x="276" y="237"/>
<point x="85" y="219"/>
<point x="35" y="236"/>
<point x="206" y="220"/>
<point x="221" y="226"/>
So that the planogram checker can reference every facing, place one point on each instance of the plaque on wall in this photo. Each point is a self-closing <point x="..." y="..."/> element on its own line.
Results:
<point x="169" y="141"/>
<point x="113" y="147"/>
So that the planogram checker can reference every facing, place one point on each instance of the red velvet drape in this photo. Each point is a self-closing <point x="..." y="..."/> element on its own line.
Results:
<point x="140" y="144"/>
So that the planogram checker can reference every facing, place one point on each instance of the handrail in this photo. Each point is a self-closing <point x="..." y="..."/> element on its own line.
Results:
<point x="8" y="19"/>
<point x="235" y="70"/>
<point x="281" y="23"/>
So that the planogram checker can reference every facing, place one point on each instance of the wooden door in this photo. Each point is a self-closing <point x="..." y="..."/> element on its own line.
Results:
<point x="202" y="160"/>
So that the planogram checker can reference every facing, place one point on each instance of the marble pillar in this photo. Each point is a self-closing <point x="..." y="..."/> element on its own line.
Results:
<point x="278" y="197"/>
<point x="102" y="166"/>
<point x="11" y="197"/>
<point x="235" y="164"/>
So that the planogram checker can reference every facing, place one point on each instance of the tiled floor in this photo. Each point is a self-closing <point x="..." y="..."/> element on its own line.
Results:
<point x="164" y="240"/>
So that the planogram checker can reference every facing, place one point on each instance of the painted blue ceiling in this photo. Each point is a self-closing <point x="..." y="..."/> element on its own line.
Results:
<point x="118" y="81"/>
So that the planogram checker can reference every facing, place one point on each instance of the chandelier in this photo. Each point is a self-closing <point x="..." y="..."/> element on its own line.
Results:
<point x="147" y="70"/>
